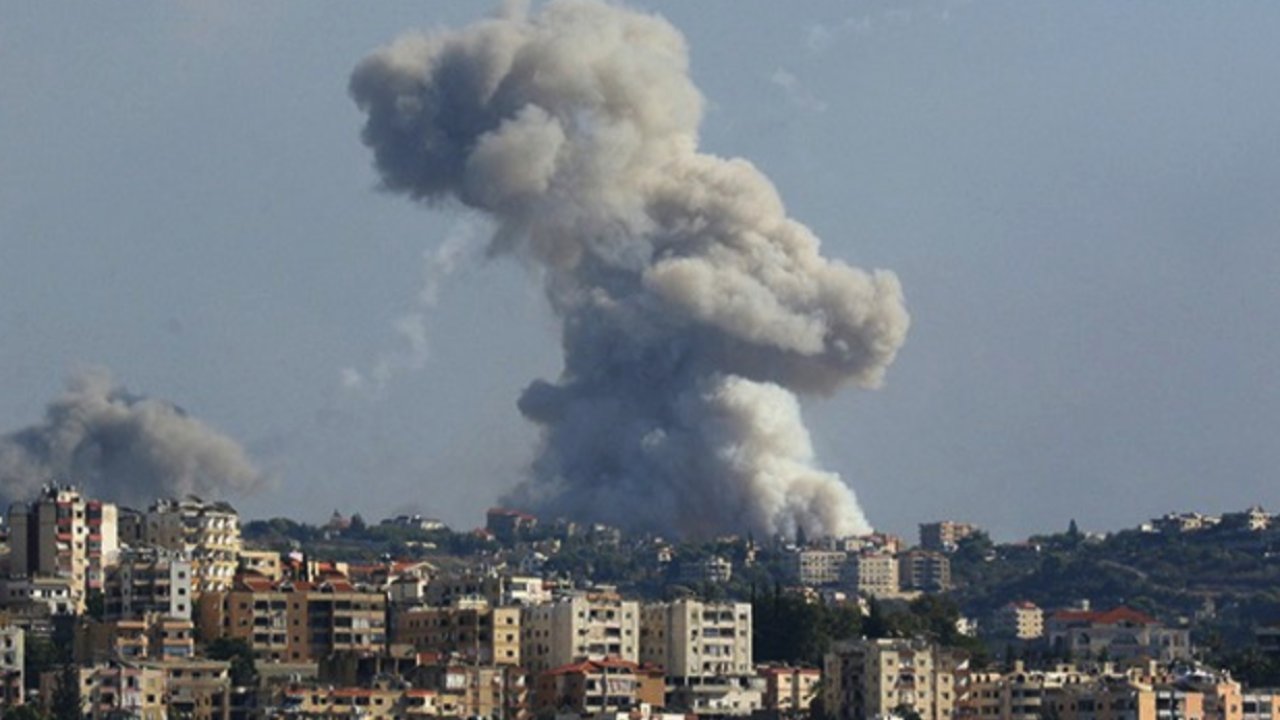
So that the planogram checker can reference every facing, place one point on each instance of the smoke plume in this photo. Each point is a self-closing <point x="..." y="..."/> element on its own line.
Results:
<point x="121" y="447"/>
<point x="693" y="308"/>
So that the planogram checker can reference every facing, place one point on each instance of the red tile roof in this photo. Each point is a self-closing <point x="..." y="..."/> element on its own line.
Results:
<point x="1114" y="616"/>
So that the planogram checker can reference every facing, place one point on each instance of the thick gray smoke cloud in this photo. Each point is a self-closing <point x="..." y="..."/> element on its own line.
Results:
<point x="121" y="447"/>
<point x="693" y="308"/>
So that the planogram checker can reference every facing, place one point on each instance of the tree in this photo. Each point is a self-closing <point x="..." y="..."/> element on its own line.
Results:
<point x="24" y="712"/>
<point x="244" y="670"/>
<point x="66" y="703"/>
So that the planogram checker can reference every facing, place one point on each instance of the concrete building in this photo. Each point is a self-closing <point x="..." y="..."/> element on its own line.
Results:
<point x="1118" y="634"/>
<point x="509" y="525"/>
<point x="714" y="569"/>
<point x="475" y="632"/>
<point x="12" y="659"/>
<point x="586" y="626"/>
<point x="1020" y="620"/>
<point x="944" y="536"/>
<point x="65" y="535"/>
<point x="149" y="637"/>
<point x="149" y="581"/>
<point x="498" y="589"/>
<point x="594" y="686"/>
<point x="208" y="532"/>
<point x="295" y="621"/>
<point x="813" y="567"/>
<point x="924" y="570"/>
<point x="266" y="563"/>
<point x="705" y="648"/>
<point x="873" y="574"/>
<point x="876" y="678"/>
<point x="40" y="596"/>
<point x="789" y="691"/>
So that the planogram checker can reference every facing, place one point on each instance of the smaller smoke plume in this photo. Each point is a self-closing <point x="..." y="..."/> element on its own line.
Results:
<point x="438" y="266"/>
<point x="121" y="447"/>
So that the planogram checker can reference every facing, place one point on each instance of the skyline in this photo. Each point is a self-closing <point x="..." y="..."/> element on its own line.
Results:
<point x="1075" y="199"/>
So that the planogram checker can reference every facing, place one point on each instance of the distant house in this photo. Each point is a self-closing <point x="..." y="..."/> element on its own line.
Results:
<point x="1120" y="633"/>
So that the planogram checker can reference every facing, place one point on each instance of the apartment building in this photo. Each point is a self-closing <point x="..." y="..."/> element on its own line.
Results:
<point x="713" y="569"/>
<point x="65" y="535"/>
<point x="266" y="563"/>
<point x="874" y="678"/>
<point x="586" y="626"/>
<point x="871" y="573"/>
<point x="474" y="632"/>
<point x="149" y="581"/>
<point x="814" y="567"/>
<point x="924" y="570"/>
<point x="498" y="589"/>
<point x="12" y="659"/>
<point x="705" y="648"/>
<point x="944" y="536"/>
<point x="295" y="621"/>
<point x="149" y="637"/>
<point x="789" y="691"/>
<point x="1019" y="620"/>
<point x="596" y="686"/>
<point x="207" y="532"/>
<point x="39" y="596"/>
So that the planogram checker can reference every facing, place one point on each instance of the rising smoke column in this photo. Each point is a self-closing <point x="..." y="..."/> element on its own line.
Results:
<point x="121" y="447"/>
<point x="693" y="308"/>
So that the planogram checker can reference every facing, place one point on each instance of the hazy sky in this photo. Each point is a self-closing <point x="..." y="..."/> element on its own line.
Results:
<point x="1081" y="199"/>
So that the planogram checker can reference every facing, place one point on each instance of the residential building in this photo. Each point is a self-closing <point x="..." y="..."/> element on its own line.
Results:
<point x="705" y="648"/>
<point x="585" y="626"/>
<point x="924" y="570"/>
<point x="295" y="621"/>
<point x="875" y="678"/>
<point x="945" y="535"/>
<point x="1019" y="620"/>
<point x="1117" y="634"/>
<point x="148" y="637"/>
<point x="594" y="686"/>
<point x="62" y="534"/>
<point x="789" y="691"/>
<point x="475" y="632"/>
<point x="146" y="581"/>
<point x="713" y="569"/>
<point x="496" y="588"/>
<point x="266" y="563"/>
<point x="1255" y="519"/>
<point x="12" y="659"/>
<point x="208" y="532"/>
<point x="813" y="567"/>
<point x="509" y="525"/>
<point x="46" y="596"/>
<point x="871" y="573"/>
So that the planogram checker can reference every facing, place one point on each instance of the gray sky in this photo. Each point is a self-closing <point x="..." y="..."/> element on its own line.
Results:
<point x="1080" y="199"/>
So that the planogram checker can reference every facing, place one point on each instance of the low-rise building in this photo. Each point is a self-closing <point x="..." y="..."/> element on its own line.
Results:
<point x="12" y="664"/>
<point x="594" y="686"/>
<point x="1118" y="634"/>
<point x="1019" y="620"/>
<point x="475" y="632"/>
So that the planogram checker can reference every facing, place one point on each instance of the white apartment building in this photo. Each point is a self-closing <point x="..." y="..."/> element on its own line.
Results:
<point x="874" y="574"/>
<point x="208" y="532"/>
<point x="817" y="567"/>
<point x="65" y="535"/>
<point x="705" y="648"/>
<point x="587" y="626"/>
<point x="149" y="580"/>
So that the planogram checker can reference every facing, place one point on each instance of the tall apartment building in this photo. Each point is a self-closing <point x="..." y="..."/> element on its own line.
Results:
<point x="295" y="621"/>
<point x="926" y="570"/>
<point x="475" y="632"/>
<point x="63" y="534"/>
<point x="809" y="566"/>
<point x="1019" y="620"/>
<point x="874" y="574"/>
<point x="705" y="648"/>
<point x="945" y="535"/>
<point x="588" y="626"/>
<point x="208" y="532"/>
<point x="875" y="678"/>
<point x="149" y="580"/>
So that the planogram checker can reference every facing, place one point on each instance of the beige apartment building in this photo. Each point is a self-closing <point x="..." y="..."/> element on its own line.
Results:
<point x="789" y="691"/>
<point x="924" y="570"/>
<point x="873" y="678"/>
<point x="587" y="626"/>
<point x="814" y="567"/>
<point x="945" y="535"/>
<point x="474" y="632"/>
<point x="1020" y="620"/>
<point x="873" y="574"/>
<point x="295" y="621"/>
<point x="62" y="534"/>
<point x="208" y="532"/>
